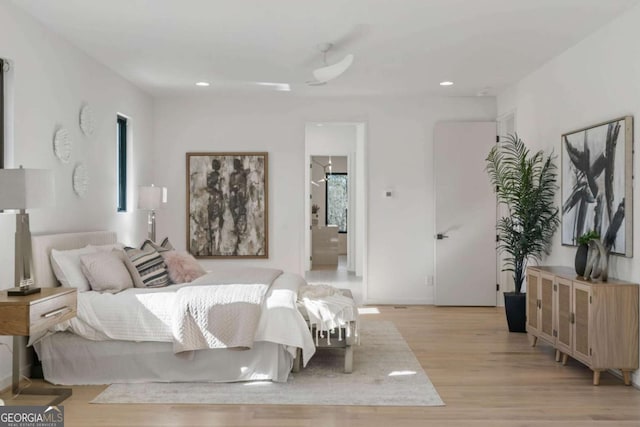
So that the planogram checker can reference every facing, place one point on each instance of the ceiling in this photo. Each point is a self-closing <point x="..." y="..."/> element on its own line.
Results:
<point x="400" y="46"/>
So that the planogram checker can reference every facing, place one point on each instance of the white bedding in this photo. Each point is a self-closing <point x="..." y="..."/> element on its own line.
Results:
<point x="146" y="314"/>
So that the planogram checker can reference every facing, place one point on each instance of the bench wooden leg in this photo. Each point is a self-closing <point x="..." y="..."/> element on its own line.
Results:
<point x="348" y="359"/>
<point x="297" y="362"/>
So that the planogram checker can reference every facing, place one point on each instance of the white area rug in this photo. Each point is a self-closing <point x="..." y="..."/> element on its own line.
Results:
<point x="385" y="373"/>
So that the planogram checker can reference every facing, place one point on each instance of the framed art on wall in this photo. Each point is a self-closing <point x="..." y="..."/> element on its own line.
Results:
<point x="227" y="205"/>
<point x="597" y="184"/>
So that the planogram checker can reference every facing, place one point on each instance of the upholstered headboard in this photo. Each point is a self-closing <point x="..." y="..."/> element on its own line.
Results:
<point x="42" y="244"/>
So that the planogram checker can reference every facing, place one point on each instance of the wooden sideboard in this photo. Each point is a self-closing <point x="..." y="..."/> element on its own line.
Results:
<point x="594" y="322"/>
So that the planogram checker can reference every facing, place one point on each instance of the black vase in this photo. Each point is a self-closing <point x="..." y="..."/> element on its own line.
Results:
<point x="515" y="307"/>
<point x="581" y="259"/>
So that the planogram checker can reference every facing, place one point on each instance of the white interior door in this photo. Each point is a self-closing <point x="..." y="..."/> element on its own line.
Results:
<point x="465" y="215"/>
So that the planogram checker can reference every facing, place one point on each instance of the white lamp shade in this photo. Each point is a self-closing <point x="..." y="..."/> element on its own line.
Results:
<point x="26" y="188"/>
<point x="330" y="72"/>
<point x="151" y="197"/>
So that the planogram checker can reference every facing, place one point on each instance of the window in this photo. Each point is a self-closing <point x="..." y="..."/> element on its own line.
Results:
<point x="337" y="200"/>
<point x="122" y="164"/>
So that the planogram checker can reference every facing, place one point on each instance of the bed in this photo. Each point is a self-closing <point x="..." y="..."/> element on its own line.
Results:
<point x="117" y="338"/>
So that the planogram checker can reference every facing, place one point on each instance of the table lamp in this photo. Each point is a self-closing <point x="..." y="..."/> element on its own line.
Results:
<point x="150" y="198"/>
<point x="23" y="189"/>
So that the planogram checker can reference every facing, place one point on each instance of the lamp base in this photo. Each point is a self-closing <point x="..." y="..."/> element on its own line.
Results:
<point x="19" y="292"/>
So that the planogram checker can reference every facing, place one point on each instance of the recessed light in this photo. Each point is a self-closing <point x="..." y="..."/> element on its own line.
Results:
<point x="446" y="83"/>
<point x="203" y="84"/>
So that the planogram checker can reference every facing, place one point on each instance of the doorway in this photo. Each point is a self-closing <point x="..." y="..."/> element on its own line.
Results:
<point x="330" y="213"/>
<point x="335" y="222"/>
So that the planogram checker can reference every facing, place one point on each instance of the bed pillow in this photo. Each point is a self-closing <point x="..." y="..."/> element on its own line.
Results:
<point x="106" y="271"/>
<point x="182" y="267"/>
<point x="67" y="267"/>
<point x="147" y="268"/>
<point x="108" y="247"/>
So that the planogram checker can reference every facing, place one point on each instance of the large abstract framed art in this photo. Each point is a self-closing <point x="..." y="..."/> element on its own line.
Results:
<point x="597" y="184"/>
<point x="227" y="205"/>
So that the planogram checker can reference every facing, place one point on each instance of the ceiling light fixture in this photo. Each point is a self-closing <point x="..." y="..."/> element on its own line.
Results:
<point x="446" y="83"/>
<point x="329" y="72"/>
<point x="203" y="84"/>
<point x="326" y="167"/>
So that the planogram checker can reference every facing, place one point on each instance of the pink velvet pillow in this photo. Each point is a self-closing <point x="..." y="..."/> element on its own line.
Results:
<point x="182" y="267"/>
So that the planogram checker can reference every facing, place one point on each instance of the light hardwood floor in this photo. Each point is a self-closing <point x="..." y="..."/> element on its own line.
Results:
<point x="485" y="375"/>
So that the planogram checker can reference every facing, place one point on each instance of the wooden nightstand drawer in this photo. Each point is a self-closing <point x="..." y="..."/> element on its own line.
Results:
<point x="23" y="316"/>
<point x="47" y="313"/>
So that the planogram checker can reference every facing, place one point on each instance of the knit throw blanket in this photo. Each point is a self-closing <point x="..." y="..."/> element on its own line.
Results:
<point x="328" y="310"/>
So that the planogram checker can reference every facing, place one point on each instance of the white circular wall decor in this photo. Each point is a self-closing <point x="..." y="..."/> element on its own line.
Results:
<point x="87" y="124"/>
<point x="80" y="180"/>
<point x="62" y="145"/>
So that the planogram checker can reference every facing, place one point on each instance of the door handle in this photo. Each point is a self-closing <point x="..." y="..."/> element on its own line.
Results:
<point x="441" y="236"/>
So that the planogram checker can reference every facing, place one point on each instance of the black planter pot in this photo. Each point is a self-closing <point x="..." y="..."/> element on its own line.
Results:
<point x="581" y="259"/>
<point x="515" y="306"/>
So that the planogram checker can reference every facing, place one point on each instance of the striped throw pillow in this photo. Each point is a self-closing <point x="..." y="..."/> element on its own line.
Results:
<point x="147" y="268"/>
<point x="162" y="247"/>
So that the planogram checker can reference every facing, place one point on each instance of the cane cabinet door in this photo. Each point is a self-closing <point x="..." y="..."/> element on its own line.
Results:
<point x="580" y="320"/>
<point x="545" y="319"/>
<point x="563" y="309"/>
<point x="533" y="277"/>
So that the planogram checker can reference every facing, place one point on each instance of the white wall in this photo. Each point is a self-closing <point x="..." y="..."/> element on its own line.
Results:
<point x="399" y="151"/>
<point x="594" y="81"/>
<point x="49" y="81"/>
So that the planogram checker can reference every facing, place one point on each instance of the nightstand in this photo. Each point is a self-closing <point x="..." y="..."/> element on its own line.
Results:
<point x="22" y="316"/>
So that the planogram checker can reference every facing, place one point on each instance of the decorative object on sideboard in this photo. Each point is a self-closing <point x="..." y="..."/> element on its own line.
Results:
<point x="597" y="184"/>
<point x="80" y="180"/>
<point x="227" y="205"/>
<point x="62" y="145"/>
<point x="24" y="189"/>
<point x="150" y="198"/>
<point x="87" y="123"/>
<point x="597" y="261"/>
<point x="525" y="184"/>
<point x="582" y="251"/>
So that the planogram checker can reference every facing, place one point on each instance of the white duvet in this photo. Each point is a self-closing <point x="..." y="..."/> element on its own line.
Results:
<point x="146" y="314"/>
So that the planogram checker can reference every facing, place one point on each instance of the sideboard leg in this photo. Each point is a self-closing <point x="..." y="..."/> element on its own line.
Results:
<point x="565" y="357"/>
<point x="557" y="355"/>
<point x="627" y="377"/>
<point x="596" y="377"/>
<point x="534" y="340"/>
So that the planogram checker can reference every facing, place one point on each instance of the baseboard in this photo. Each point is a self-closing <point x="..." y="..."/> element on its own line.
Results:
<point x="374" y="301"/>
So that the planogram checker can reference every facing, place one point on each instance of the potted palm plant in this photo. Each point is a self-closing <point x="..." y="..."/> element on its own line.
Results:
<point x="525" y="184"/>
